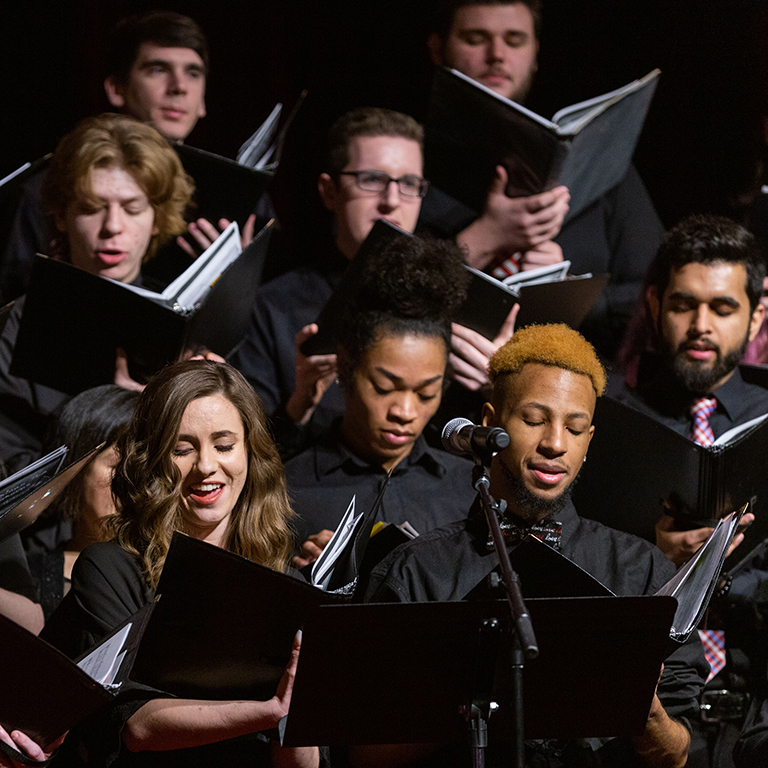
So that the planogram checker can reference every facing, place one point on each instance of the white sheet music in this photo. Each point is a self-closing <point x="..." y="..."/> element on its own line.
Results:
<point x="103" y="663"/>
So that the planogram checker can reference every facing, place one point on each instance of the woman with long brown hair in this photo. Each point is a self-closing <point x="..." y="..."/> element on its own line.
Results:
<point x="196" y="457"/>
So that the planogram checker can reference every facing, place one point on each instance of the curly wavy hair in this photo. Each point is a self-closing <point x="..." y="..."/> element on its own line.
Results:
<point x="412" y="286"/>
<point x="555" y="344"/>
<point x="107" y="140"/>
<point x="147" y="482"/>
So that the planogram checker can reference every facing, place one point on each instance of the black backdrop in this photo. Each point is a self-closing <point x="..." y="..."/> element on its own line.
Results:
<point x="698" y="151"/>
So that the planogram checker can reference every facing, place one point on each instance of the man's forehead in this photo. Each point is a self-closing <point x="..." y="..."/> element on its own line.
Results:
<point x="706" y="281"/>
<point x="548" y="385"/>
<point x="513" y="16"/>
<point x="149" y="51"/>
<point x="384" y="150"/>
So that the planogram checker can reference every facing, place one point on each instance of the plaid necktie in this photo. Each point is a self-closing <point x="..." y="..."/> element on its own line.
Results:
<point x="507" y="268"/>
<point x="713" y="641"/>
<point x="701" y="410"/>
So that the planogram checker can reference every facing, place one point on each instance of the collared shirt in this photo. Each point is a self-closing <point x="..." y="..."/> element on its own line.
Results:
<point x="659" y="396"/>
<point x="428" y="488"/>
<point x="446" y="564"/>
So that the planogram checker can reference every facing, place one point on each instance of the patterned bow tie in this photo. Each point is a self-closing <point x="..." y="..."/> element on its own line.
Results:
<point x="701" y="409"/>
<point x="548" y="531"/>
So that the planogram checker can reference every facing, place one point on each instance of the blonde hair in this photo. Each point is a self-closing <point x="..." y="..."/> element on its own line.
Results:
<point x="107" y="140"/>
<point x="557" y="345"/>
<point x="147" y="482"/>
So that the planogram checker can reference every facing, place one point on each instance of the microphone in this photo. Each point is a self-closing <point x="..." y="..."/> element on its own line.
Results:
<point x="461" y="437"/>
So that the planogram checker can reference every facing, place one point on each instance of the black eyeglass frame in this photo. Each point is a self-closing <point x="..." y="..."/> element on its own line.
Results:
<point x="381" y="176"/>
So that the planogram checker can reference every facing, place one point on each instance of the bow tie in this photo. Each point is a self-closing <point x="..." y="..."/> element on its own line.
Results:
<point x="548" y="531"/>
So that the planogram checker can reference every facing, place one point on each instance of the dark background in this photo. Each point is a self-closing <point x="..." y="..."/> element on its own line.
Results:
<point x="699" y="150"/>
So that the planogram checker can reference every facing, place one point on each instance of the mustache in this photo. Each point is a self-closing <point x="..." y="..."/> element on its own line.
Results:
<point x="702" y="344"/>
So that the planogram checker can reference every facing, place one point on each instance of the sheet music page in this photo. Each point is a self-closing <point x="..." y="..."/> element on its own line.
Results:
<point x="322" y="567"/>
<point x="103" y="663"/>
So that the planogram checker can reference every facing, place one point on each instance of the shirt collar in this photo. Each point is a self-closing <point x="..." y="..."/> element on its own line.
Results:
<point x="332" y="455"/>
<point x="730" y="396"/>
<point x="567" y="516"/>
<point x="659" y="387"/>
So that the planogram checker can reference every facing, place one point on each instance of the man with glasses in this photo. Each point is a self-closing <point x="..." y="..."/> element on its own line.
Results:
<point x="374" y="171"/>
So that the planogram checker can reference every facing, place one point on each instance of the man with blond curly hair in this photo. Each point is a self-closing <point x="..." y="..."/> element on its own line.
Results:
<point x="546" y="380"/>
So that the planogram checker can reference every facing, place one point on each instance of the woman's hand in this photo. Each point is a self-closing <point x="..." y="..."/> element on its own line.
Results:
<point x="22" y="743"/>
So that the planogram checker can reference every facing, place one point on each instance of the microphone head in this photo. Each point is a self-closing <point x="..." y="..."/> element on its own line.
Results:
<point x="498" y="439"/>
<point x="453" y="426"/>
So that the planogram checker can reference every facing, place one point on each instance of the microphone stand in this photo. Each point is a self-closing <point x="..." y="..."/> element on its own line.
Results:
<point x="524" y="643"/>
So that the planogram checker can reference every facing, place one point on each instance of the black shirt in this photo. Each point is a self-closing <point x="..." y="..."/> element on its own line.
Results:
<point x="14" y="571"/>
<point x="428" y="488"/>
<point x="659" y="396"/>
<point x="446" y="564"/>
<point x="267" y="354"/>
<point x="26" y="408"/>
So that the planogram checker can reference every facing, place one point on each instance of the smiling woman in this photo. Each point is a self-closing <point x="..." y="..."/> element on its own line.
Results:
<point x="197" y="457"/>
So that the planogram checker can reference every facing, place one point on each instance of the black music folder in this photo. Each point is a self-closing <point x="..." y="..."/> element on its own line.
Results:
<point x="44" y="693"/>
<point x="400" y="673"/>
<point x="470" y="130"/>
<point x="221" y="627"/>
<point x="382" y="235"/>
<point x="26" y="494"/>
<point x="567" y="301"/>
<point x="223" y="188"/>
<point x="546" y="573"/>
<point x="635" y="463"/>
<point x="73" y="321"/>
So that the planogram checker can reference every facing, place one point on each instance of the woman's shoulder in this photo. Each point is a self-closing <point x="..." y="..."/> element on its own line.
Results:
<point x="107" y="573"/>
<point x="108" y="556"/>
<point x="107" y="588"/>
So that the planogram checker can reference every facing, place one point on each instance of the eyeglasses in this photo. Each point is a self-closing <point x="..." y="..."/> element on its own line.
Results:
<point x="409" y="185"/>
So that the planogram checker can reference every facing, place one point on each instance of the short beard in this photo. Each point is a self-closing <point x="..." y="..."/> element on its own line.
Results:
<point x="699" y="380"/>
<point x="534" y="508"/>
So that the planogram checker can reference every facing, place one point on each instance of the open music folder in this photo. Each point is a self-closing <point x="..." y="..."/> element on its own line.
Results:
<point x="73" y="321"/>
<point x="636" y="463"/>
<point x="588" y="147"/>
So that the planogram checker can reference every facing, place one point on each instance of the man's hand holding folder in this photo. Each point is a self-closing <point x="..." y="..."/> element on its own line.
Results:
<point x="680" y="546"/>
<point x="471" y="351"/>
<point x="510" y="225"/>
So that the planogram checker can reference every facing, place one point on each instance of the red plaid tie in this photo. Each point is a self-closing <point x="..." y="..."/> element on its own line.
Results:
<point x="713" y="641"/>
<point x="701" y="409"/>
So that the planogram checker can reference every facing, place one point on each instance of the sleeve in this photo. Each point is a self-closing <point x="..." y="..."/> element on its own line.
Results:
<point x="618" y="234"/>
<point x="751" y="749"/>
<point x="686" y="668"/>
<point x="14" y="571"/>
<point x="682" y="680"/>
<point x="257" y="357"/>
<point x="107" y="588"/>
